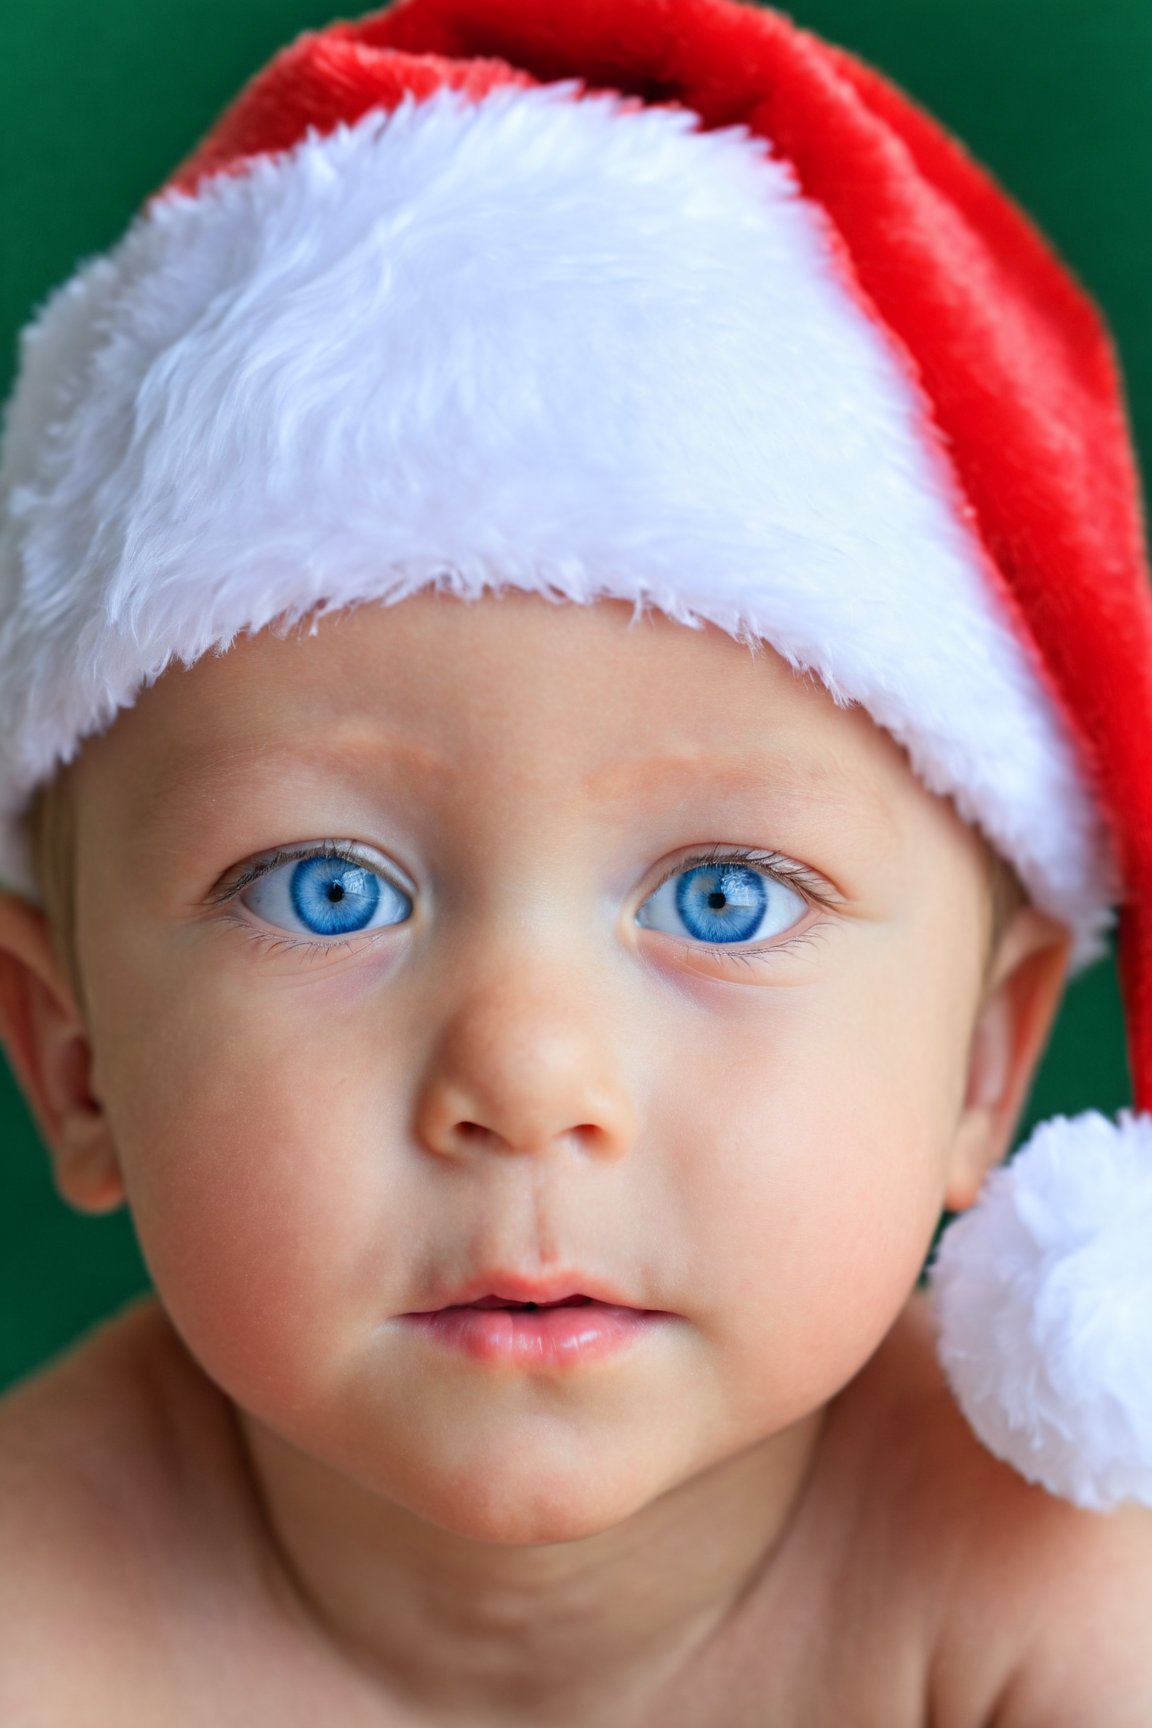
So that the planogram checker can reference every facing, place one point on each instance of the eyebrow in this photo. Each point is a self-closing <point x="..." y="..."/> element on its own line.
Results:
<point x="783" y="776"/>
<point x="762" y="773"/>
<point x="334" y="752"/>
<point x="780" y="777"/>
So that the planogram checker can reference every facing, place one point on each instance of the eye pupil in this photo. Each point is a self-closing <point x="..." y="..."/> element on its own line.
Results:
<point x="332" y="896"/>
<point x="721" y="901"/>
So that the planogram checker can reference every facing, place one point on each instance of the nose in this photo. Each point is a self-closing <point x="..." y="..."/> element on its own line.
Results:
<point x="520" y="1071"/>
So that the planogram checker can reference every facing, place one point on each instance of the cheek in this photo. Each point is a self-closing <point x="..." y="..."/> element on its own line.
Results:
<point x="811" y="1169"/>
<point x="254" y="1151"/>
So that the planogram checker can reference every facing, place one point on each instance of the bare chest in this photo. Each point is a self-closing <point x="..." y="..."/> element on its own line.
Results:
<point x="155" y="1579"/>
<point x="167" y="1635"/>
<point x="796" y="1669"/>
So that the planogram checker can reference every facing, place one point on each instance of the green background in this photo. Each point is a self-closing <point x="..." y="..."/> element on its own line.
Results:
<point x="100" y="98"/>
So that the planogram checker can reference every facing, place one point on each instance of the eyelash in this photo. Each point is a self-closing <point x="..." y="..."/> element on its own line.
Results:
<point x="806" y="883"/>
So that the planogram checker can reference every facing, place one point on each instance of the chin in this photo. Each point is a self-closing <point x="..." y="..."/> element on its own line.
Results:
<point x="519" y="1507"/>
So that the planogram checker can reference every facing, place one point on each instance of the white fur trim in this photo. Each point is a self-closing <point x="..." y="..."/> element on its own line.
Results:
<point x="531" y="341"/>
<point x="1043" y="1298"/>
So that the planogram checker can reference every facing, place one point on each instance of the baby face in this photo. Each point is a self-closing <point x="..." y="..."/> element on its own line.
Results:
<point x="501" y="939"/>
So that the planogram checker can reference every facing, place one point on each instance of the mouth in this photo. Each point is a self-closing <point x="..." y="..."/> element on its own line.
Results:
<point x="535" y="1328"/>
<point x="522" y="1295"/>
<point x="503" y="1302"/>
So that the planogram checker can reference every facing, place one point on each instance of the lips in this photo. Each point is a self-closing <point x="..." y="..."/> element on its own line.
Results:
<point x="511" y="1291"/>
<point x="506" y="1334"/>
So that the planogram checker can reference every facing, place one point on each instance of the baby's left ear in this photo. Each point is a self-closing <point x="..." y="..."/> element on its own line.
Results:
<point x="45" y="1037"/>
<point x="1021" y="999"/>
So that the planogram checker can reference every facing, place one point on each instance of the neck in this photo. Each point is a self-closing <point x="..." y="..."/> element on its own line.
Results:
<point x="595" y="1630"/>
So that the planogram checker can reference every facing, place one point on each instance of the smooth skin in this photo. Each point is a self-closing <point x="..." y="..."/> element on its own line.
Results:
<point x="532" y="1068"/>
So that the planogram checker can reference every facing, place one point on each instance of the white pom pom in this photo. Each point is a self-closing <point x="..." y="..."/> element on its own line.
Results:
<point x="1043" y="1301"/>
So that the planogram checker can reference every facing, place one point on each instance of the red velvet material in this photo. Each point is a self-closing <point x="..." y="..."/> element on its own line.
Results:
<point x="1012" y="354"/>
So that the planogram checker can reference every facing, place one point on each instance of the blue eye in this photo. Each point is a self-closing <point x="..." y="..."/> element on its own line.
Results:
<point x="723" y="901"/>
<point x="326" y="895"/>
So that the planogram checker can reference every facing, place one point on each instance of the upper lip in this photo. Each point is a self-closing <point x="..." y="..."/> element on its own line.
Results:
<point x="511" y="1287"/>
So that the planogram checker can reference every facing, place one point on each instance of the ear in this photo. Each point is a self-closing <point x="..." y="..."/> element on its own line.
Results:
<point x="1020" y="1002"/>
<point x="46" y="1040"/>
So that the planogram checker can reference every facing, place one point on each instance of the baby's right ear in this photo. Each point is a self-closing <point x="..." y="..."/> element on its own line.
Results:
<point x="45" y="1037"/>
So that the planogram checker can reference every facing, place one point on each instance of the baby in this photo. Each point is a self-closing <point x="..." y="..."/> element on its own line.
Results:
<point x="549" y="802"/>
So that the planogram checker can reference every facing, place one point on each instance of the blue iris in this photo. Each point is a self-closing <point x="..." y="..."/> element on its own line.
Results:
<point x="333" y="897"/>
<point x="721" y="902"/>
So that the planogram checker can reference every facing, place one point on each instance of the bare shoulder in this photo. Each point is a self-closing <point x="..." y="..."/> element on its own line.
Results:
<point x="1041" y="1609"/>
<point x="71" y="1437"/>
<point x="93" y="1435"/>
<point x="103" y="1523"/>
<point x="80" y="1425"/>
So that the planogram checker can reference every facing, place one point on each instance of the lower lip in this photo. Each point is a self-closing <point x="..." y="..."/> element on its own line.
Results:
<point x="535" y="1338"/>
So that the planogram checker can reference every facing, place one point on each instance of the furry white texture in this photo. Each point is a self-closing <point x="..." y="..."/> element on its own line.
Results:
<point x="566" y="345"/>
<point x="1043" y="1299"/>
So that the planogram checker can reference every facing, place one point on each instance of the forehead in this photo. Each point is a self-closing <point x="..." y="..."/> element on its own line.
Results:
<point x="594" y="699"/>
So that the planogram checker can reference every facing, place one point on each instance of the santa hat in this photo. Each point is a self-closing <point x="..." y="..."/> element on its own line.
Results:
<point x="665" y="300"/>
